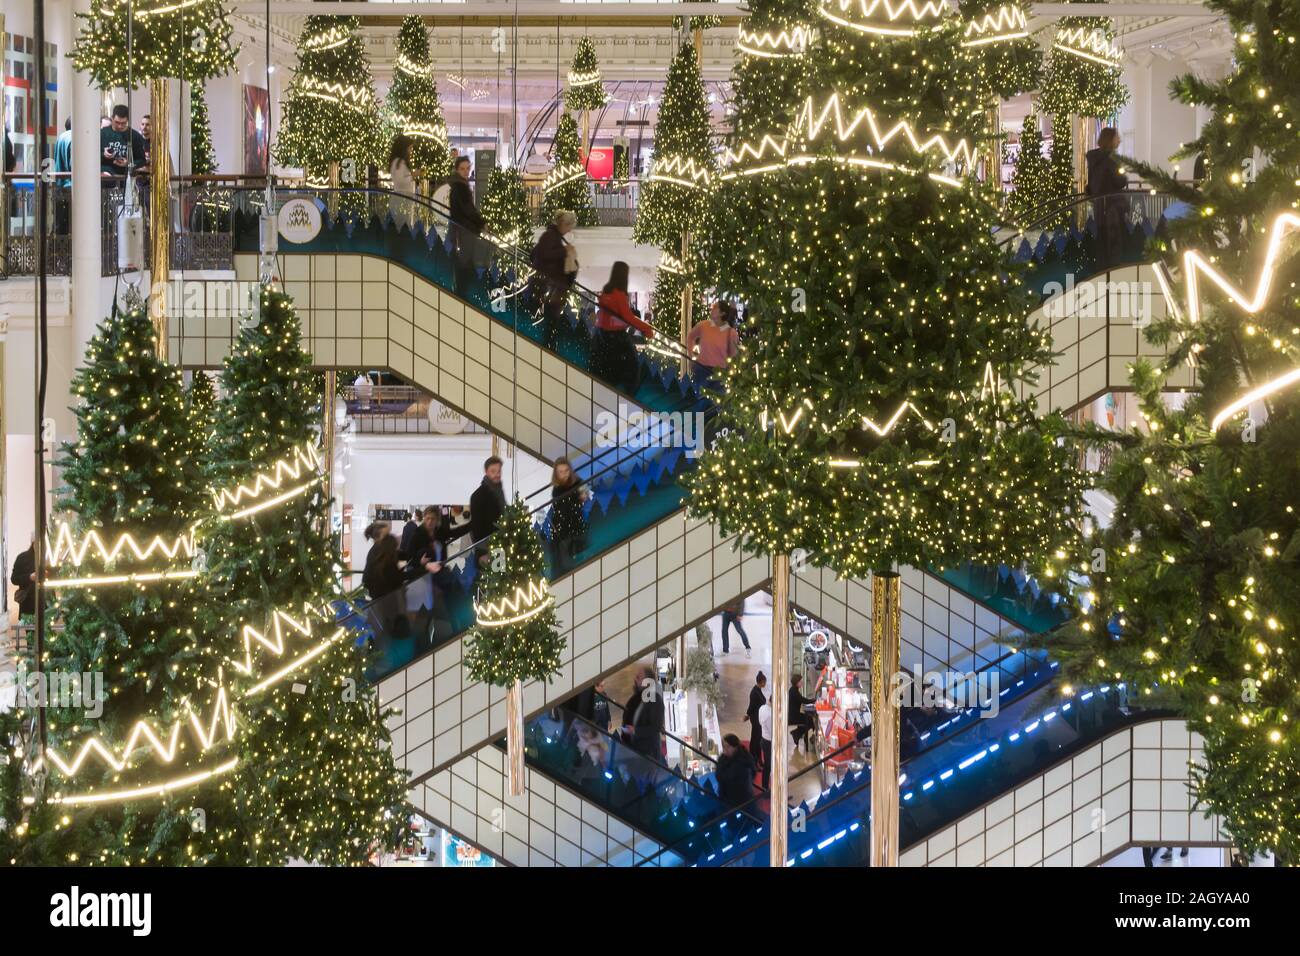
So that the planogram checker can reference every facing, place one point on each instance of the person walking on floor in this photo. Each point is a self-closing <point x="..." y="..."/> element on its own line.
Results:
<point x="613" y="353"/>
<point x="757" y="698"/>
<point x="713" y="342"/>
<point x="466" y="226"/>
<point x="731" y="615"/>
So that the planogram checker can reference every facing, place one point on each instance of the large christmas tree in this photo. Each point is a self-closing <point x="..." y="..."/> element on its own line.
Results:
<point x="673" y="202"/>
<point x="1083" y="72"/>
<point x="868" y="420"/>
<point x="316" y="778"/>
<point x="565" y="186"/>
<point x="585" y="91"/>
<point x="330" y="115"/>
<point x="505" y="206"/>
<point x="1010" y="60"/>
<point x="203" y="159"/>
<point x="413" y="101"/>
<point x="189" y="41"/>
<point x="1031" y="180"/>
<point x="142" y="782"/>
<point x="1198" y="605"/>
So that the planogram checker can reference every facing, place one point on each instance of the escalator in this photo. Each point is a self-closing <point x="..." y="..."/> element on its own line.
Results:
<point x="635" y="512"/>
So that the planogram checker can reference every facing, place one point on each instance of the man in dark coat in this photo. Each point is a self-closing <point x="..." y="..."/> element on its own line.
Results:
<point x="757" y="698"/>
<point x="486" y="506"/>
<point x="648" y="723"/>
<point x="466" y="225"/>
<point x="735" y="773"/>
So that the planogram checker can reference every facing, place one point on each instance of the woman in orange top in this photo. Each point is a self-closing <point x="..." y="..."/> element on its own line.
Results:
<point x="613" y="356"/>
<point x="713" y="342"/>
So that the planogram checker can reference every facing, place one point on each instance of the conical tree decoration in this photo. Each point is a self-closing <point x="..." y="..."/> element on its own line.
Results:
<point x="566" y="184"/>
<point x="1084" y="72"/>
<point x="585" y="89"/>
<point x="203" y="158"/>
<point x="189" y="41"/>
<point x="505" y="206"/>
<point x="413" y="101"/>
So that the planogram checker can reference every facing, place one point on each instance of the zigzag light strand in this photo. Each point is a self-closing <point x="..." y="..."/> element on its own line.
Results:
<point x="273" y="640"/>
<point x="422" y="129"/>
<point x="329" y="39"/>
<point x="68" y="551"/>
<point x="524" y="604"/>
<point x="896" y="18"/>
<point x="790" y="42"/>
<point x="1089" y="44"/>
<point x="680" y="171"/>
<point x="410" y="68"/>
<point x="1006" y="23"/>
<point x="348" y="95"/>
<point x="562" y="175"/>
<point x="305" y="459"/>
<point x="584" y="79"/>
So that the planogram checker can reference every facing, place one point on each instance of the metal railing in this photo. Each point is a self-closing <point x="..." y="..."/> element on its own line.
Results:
<point x="615" y="202"/>
<point x="395" y="410"/>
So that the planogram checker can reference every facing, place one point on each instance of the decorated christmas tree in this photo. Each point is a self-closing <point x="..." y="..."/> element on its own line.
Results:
<point x="1083" y="72"/>
<point x="1010" y="60"/>
<point x="1031" y="181"/>
<point x="1061" y="170"/>
<point x="137" y="760"/>
<point x="869" y="421"/>
<point x="585" y="90"/>
<point x="330" y="115"/>
<point x="201" y="408"/>
<point x="505" y="206"/>
<point x="565" y="186"/>
<point x="203" y="159"/>
<point x="316" y="779"/>
<point x="190" y="42"/>
<point x="413" y="101"/>
<point x="1196" y="602"/>
<point x="673" y="202"/>
<point x="515" y="637"/>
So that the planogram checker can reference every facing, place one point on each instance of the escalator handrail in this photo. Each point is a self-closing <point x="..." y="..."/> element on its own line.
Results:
<point x="666" y="733"/>
<point x="835" y="753"/>
<point x="512" y="251"/>
<point x="1077" y="199"/>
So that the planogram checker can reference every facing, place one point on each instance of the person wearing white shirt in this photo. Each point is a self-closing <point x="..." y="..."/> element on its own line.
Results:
<point x="765" y="728"/>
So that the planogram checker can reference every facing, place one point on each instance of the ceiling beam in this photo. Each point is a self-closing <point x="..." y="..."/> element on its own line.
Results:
<point x="655" y="11"/>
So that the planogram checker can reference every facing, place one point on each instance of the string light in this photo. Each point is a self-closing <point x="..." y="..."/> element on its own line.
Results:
<point x="679" y="170"/>
<point x="1090" y="44"/>
<point x="305" y="459"/>
<point x="785" y="43"/>
<point x="1006" y="23"/>
<point x="871" y="13"/>
<point x="1254" y="395"/>
<point x="67" y="551"/>
<point x="526" y="603"/>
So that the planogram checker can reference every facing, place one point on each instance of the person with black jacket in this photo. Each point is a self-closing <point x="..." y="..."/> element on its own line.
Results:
<point x="11" y="159"/>
<point x="568" y="521"/>
<point x="408" y="533"/>
<point x="800" y="723"/>
<point x="757" y="698"/>
<point x="1108" y="210"/>
<point x="735" y="773"/>
<point x="556" y="265"/>
<point x="466" y="226"/>
<point x="381" y="575"/>
<point x="24" y="579"/>
<point x="648" y="722"/>
<point x="486" y="506"/>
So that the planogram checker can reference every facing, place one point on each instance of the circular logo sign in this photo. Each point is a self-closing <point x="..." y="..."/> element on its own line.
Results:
<point x="299" y="220"/>
<point x="444" y="420"/>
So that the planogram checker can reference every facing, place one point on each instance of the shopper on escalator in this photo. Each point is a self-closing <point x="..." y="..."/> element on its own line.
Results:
<point x="713" y="343"/>
<point x="613" y="353"/>
<point x="555" y="261"/>
<point x="466" y="226"/>
<point x="486" y="506"/>
<point x="568" y="518"/>
<point x="648" y="723"/>
<point x="402" y="180"/>
<point x="381" y="575"/>
<point x="735" y="773"/>
<point x="1109" y="210"/>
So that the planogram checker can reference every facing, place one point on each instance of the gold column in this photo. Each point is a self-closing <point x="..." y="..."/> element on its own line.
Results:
<point x="515" y="737"/>
<point x="780" y="688"/>
<point x="886" y="627"/>
<point x="160" y="213"/>
<point x="685" y="308"/>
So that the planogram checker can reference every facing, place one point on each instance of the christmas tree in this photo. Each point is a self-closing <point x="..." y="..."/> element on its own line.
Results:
<point x="124" y="583"/>
<point x="1083" y="73"/>
<point x="505" y="206"/>
<point x="1061" y="171"/>
<point x="1031" y="181"/>
<point x="566" y="184"/>
<point x="1196" y="605"/>
<point x="330" y="115"/>
<point x="190" y="42"/>
<point x="674" y="201"/>
<point x="585" y="91"/>
<point x="201" y="408"/>
<point x="203" y="159"/>
<point x="1010" y="60"/>
<point x="316" y="779"/>
<point x="515" y="637"/>
<point x="413" y="101"/>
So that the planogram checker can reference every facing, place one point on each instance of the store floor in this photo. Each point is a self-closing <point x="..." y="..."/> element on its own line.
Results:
<point x="736" y="675"/>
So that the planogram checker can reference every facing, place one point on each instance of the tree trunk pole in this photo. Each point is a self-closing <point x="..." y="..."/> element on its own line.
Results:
<point x="160" y="213"/>
<point x="515" y="737"/>
<point x="886" y="625"/>
<point x="778" y="845"/>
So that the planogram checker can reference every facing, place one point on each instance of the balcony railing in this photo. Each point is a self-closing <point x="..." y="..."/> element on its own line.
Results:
<point x="395" y="410"/>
